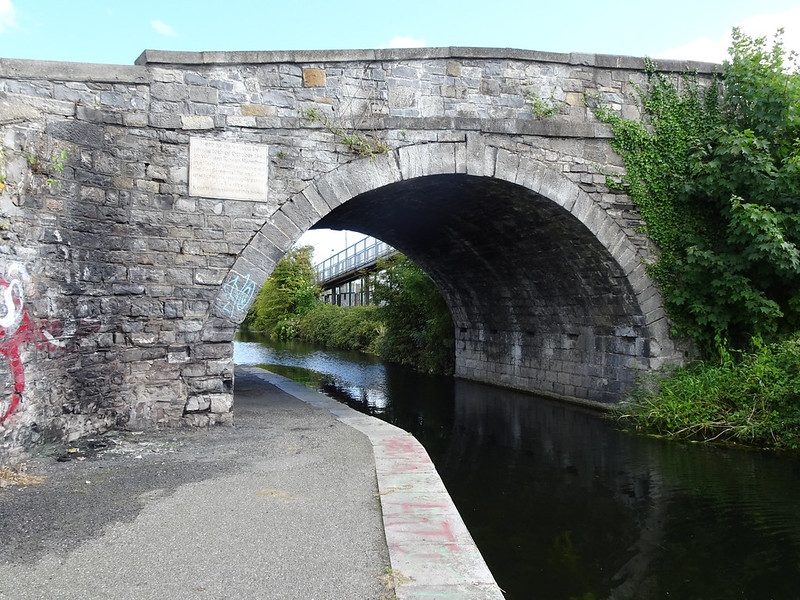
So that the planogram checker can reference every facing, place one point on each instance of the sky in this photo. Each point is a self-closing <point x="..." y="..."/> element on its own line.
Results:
<point x="118" y="31"/>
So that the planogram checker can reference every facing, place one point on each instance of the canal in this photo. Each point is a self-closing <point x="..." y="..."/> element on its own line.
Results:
<point x="565" y="506"/>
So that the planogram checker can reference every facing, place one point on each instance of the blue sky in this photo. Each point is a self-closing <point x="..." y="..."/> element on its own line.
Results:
<point x="117" y="31"/>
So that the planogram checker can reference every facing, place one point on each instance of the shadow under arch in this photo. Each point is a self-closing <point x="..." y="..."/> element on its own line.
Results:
<point x="547" y="292"/>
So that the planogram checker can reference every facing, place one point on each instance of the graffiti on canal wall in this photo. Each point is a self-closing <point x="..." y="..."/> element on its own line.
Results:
<point x="238" y="292"/>
<point x="17" y="329"/>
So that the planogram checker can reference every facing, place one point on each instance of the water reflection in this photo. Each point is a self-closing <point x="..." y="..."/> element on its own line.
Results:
<point x="564" y="506"/>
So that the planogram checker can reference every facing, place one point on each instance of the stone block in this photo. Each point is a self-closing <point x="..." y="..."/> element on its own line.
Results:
<point x="197" y="122"/>
<point x="165" y="120"/>
<point x="94" y="115"/>
<point x="507" y="165"/>
<point x="171" y="92"/>
<point x="16" y="112"/>
<point x="209" y="276"/>
<point x="450" y="91"/>
<point x="575" y="99"/>
<point x="428" y="159"/>
<point x="212" y="351"/>
<point x="89" y="135"/>
<point x="490" y="87"/>
<point x="314" y="78"/>
<point x="402" y="97"/>
<point x="198" y="404"/>
<point x="259" y="110"/>
<point x="221" y="403"/>
<point x="218" y="330"/>
<point x="204" y="95"/>
<point x="242" y="121"/>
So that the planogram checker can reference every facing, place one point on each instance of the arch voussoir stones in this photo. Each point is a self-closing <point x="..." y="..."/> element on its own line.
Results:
<point x="428" y="159"/>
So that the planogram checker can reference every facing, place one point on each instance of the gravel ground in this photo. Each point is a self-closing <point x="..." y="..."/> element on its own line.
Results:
<point x="282" y="505"/>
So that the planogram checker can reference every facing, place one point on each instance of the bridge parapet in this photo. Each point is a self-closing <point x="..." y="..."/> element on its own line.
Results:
<point x="123" y="290"/>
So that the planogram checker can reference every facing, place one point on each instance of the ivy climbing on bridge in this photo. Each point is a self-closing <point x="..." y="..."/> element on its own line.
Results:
<point x="715" y="171"/>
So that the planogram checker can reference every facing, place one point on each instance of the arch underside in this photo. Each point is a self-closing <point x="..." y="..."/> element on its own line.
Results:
<point x="538" y="303"/>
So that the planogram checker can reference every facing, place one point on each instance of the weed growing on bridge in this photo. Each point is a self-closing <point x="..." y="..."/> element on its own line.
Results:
<point x="38" y="163"/>
<point x="50" y="168"/>
<point x="360" y="144"/>
<point x="5" y="186"/>
<point x="543" y="108"/>
<point x="358" y="105"/>
<point x="3" y="183"/>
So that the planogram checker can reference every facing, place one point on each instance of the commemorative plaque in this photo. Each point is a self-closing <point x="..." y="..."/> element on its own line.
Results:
<point x="228" y="170"/>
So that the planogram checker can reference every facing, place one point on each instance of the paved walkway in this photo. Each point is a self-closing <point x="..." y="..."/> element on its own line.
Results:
<point x="284" y="505"/>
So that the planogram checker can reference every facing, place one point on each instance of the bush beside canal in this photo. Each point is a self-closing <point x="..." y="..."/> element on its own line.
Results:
<point x="347" y="328"/>
<point x="749" y="398"/>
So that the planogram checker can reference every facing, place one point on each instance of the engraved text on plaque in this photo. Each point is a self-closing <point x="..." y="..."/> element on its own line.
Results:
<point x="227" y="170"/>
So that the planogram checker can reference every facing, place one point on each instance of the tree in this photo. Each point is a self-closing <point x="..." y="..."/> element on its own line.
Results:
<point x="289" y="292"/>
<point x="715" y="171"/>
<point x="419" y="328"/>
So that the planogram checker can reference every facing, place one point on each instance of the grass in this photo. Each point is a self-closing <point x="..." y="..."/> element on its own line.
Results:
<point x="17" y="476"/>
<point x="750" y="398"/>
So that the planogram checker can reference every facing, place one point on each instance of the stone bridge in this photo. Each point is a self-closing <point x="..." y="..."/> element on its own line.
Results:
<point x="143" y="206"/>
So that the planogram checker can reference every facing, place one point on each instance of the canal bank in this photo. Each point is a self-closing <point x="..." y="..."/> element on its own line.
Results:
<point x="284" y="505"/>
<point x="431" y="551"/>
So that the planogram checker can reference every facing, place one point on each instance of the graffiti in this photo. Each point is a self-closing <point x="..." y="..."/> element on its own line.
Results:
<point x="17" y="329"/>
<point x="239" y="292"/>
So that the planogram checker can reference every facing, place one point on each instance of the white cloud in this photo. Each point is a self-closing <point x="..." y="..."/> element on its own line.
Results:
<point x="705" y="49"/>
<point x="7" y="15"/>
<point x="161" y="28"/>
<point x="406" y="42"/>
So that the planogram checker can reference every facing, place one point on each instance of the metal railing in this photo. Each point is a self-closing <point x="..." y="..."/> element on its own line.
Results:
<point x="363" y="253"/>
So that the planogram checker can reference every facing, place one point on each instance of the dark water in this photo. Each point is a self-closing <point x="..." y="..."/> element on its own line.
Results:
<point x="563" y="505"/>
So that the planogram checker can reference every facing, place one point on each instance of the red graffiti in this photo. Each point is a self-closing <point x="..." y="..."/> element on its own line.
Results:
<point x="17" y="329"/>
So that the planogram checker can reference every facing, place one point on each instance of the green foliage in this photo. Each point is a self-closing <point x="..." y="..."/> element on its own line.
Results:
<point x="543" y="108"/>
<point x="288" y="293"/>
<point x="51" y="168"/>
<point x="715" y="172"/>
<point x="346" y="328"/>
<point x="752" y="400"/>
<point x="360" y="144"/>
<point x="419" y="329"/>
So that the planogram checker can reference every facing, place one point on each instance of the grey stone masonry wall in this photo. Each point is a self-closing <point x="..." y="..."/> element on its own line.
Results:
<point x="122" y="290"/>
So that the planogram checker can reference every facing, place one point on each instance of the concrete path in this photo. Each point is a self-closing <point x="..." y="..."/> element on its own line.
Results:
<point x="284" y="505"/>
<point x="431" y="551"/>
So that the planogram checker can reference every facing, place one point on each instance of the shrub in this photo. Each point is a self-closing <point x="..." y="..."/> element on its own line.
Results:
<point x="751" y="398"/>
<point x="346" y="328"/>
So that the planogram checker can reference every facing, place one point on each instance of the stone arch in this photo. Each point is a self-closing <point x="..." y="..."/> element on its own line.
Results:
<point x="645" y="334"/>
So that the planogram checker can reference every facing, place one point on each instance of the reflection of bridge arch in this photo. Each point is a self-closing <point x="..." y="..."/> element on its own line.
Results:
<point x="547" y="291"/>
